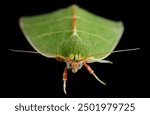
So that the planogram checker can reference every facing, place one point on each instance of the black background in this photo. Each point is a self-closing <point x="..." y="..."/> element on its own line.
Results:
<point x="32" y="75"/>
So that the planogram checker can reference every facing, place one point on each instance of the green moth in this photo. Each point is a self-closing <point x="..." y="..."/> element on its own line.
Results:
<point x="74" y="36"/>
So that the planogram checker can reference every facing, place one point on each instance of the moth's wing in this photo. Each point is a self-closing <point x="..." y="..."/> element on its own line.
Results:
<point x="46" y="32"/>
<point x="99" y="34"/>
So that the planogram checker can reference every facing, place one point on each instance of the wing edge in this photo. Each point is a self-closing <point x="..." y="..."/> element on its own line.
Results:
<point x="119" y="37"/>
<point x="30" y="42"/>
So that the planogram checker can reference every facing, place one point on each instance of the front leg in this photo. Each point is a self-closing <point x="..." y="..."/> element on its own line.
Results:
<point x="100" y="61"/>
<point x="92" y="72"/>
<point x="65" y="75"/>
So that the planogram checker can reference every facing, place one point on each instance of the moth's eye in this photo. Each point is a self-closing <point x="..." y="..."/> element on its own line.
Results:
<point x="68" y="66"/>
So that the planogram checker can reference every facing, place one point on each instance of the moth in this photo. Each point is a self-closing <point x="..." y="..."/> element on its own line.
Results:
<point x="74" y="36"/>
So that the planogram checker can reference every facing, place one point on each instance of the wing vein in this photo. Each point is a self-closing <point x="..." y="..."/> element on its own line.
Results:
<point x="50" y="33"/>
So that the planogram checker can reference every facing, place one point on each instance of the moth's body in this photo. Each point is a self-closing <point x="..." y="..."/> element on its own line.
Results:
<point x="77" y="37"/>
<point x="74" y="62"/>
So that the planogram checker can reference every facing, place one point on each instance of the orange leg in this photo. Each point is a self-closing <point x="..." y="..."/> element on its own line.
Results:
<point x="65" y="74"/>
<point x="92" y="72"/>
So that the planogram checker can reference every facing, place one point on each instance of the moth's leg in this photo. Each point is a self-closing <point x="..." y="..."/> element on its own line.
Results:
<point x="65" y="75"/>
<point x="100" y="61"/>
<point x="92" y="72"/>
<point x="105" y="61"/>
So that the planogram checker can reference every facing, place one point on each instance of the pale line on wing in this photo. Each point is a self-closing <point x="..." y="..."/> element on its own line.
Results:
<point x="56" y="32"/>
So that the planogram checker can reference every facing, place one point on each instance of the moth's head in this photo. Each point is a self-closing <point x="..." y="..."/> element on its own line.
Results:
<point x="74" y="66"/>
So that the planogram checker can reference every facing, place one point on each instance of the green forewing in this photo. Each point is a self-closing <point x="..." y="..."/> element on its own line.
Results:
<point x="52" y="34"/>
